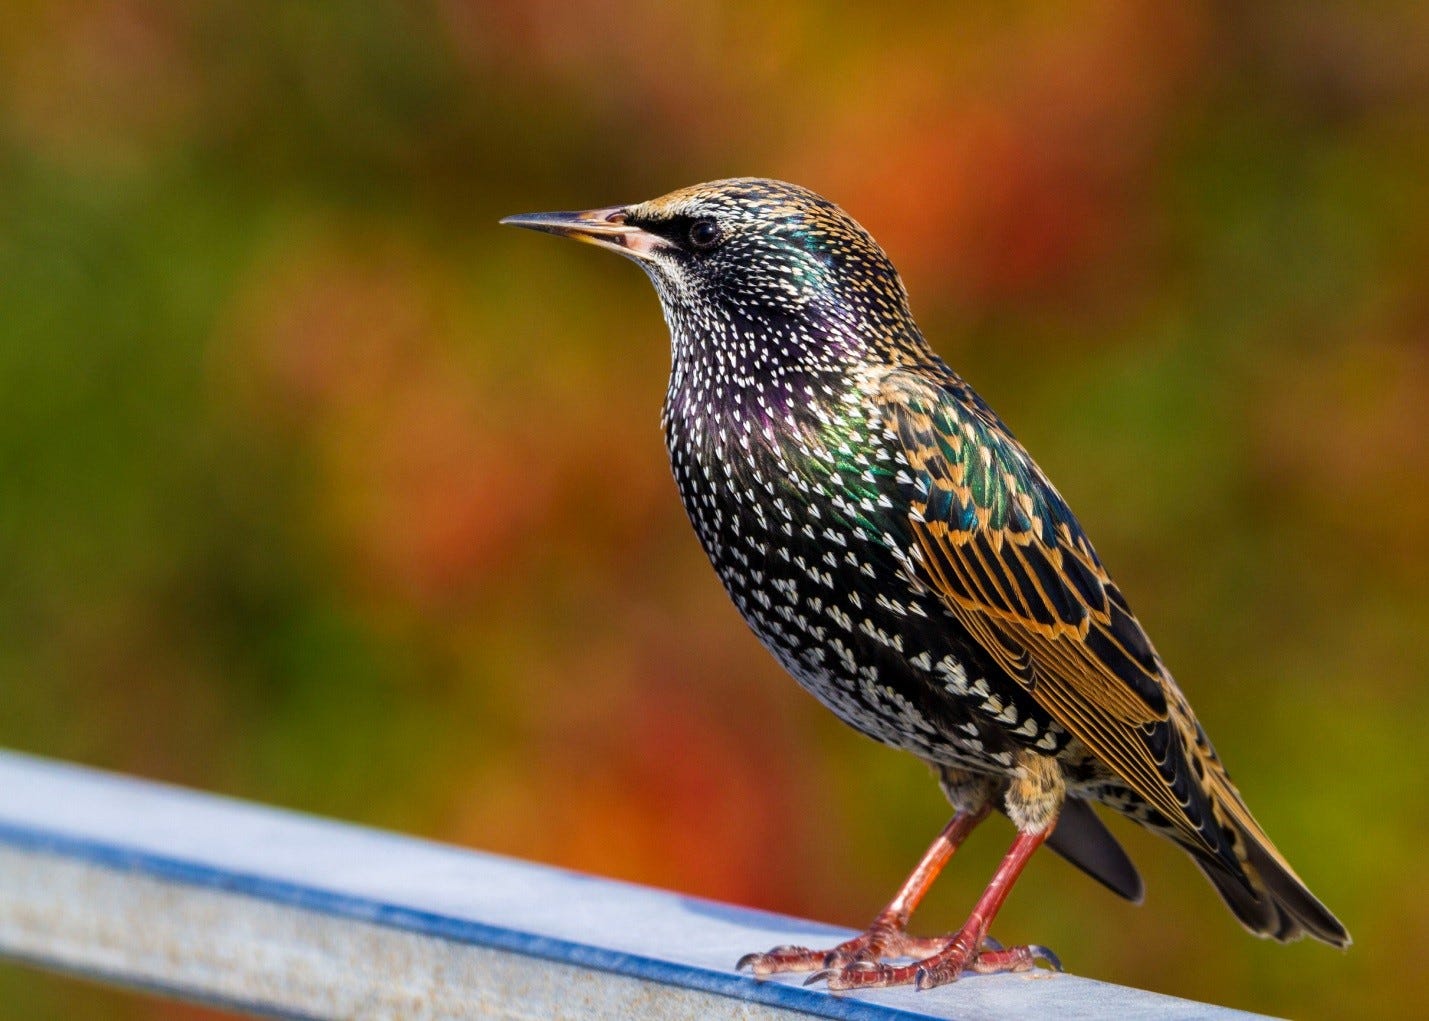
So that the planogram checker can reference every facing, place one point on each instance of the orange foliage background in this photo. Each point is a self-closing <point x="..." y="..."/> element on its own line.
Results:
<point x="320" y="489"/>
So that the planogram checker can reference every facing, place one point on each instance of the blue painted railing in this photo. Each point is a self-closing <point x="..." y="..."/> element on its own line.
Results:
<point x="193" y="895"/>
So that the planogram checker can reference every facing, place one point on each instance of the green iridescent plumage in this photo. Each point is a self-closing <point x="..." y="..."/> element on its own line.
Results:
<point x="901" y="554"/>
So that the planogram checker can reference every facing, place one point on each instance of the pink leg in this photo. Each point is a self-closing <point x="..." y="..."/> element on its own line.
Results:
<point x="887" y="936"/>
<point x="966" y="950"/>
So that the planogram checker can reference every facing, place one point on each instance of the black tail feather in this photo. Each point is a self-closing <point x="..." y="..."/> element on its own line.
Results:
<point x="1270" y="900"/>
<point x="1083" y="839"/>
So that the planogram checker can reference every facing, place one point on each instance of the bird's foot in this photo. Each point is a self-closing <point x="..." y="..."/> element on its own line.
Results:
<point x="952" y="957"/>
<point x="882" y="939"/>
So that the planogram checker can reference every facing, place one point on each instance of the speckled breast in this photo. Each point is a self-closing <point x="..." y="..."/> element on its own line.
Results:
<point x="799" y="512"/>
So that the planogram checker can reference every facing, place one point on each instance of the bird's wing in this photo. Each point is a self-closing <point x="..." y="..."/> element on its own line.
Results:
<point x="996" y="540"/>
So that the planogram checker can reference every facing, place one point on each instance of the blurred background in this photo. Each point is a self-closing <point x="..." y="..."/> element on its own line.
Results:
<point x="318" y="488"/>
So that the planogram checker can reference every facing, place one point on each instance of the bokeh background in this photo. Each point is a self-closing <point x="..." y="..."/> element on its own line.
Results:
<point x="318" y="488"/>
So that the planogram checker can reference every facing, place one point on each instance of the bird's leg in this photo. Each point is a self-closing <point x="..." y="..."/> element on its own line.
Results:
<point x="1033" y="800"/>
<point x="969" y="949"/>
<point x="887" y="936"/>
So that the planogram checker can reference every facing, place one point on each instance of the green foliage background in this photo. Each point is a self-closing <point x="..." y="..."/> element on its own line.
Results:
<point x="318" y="488"/>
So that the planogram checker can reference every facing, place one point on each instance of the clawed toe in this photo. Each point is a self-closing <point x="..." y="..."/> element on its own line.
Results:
<point x="864" y="975"/>
<point x="863" y="950"/>
<point x="855" y="964"/>
<point x="1045" y="954"/>
<point x="1024" y="958"/>
<point x="781" y="959"/>
<point x="747" y="961"/>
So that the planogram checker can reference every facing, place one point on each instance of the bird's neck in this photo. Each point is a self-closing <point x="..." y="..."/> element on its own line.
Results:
<point x="759" y="370"/>
<point x="794" y="392"/>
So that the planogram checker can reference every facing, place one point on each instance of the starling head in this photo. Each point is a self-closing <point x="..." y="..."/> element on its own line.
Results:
<point x="754" y="262"/>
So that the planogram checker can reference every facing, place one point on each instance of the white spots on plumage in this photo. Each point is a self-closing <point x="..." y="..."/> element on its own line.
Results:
<point x="954" y="677"/>
<point x="792" y="478"/>
<point x="894" y="606"/>
<point x="878" y="634"/>
<point x="902" y="710"/>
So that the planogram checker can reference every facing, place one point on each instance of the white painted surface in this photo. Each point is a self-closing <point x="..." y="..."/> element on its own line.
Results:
<point x="302" y="902"/>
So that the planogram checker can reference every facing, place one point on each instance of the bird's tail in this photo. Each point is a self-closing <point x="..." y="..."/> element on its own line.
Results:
<point x="1266" y="895"/>
<point x="1270" y="900"/>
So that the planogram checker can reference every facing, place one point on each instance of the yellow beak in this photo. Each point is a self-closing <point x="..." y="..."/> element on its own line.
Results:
<point x="604" y="227"/>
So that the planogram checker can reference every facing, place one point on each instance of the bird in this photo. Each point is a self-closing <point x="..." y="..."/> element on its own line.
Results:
<point x="904" y="558"/>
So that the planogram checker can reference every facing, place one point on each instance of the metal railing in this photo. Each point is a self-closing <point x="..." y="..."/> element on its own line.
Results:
<point x="158" y="888"/>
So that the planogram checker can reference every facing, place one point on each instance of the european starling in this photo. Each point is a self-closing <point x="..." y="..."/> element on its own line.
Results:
<point x="906" y="560"/>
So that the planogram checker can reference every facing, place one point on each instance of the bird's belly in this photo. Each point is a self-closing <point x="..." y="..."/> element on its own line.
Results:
<point x="876" y="677"/>
<point x="833" y="602"/>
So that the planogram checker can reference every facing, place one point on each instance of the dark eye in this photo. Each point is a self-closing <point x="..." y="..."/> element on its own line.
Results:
<point x="704" y="235"/>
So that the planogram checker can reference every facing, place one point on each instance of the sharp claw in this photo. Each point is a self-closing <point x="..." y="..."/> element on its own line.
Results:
<point x="747" y="961"/>
<point x="922" y="979"/>
<point x="1041" y="953"/>
<point x="988" y="943"/>
<point x="820" y="976"/>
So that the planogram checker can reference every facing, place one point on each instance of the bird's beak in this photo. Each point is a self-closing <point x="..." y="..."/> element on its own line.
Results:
<point x="604" y="227"/>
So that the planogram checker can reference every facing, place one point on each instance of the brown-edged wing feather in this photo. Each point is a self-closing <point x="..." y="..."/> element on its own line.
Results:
<point x="1000" y="545"/>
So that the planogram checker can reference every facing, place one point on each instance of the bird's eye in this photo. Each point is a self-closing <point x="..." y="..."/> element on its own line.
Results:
<point x="704" y="235"/>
